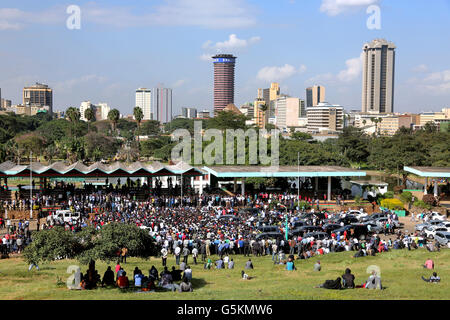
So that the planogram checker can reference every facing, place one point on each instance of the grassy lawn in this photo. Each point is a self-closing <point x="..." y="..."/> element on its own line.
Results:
<point x="401" y="273"/>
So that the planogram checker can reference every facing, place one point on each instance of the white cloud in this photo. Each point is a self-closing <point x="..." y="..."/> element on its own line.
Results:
<point x="71" y="83"/>
<point x="217" y="14"/>
<point x="16" y="19"/>
<point x="206" y="57"/>
<point x="353" y="71"/>
<point x="279" y="73"/>
<point x="179" y="83"/>
<point x="232" y="43"/>
<point x="336" y="7"/>
<point x="434" y="83"/>
<point x="420" y="68"/>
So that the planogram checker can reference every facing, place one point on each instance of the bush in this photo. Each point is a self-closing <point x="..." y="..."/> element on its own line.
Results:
<point x="406" y="196"/>
<point x="422" y="205"/>
<point x="392" y="204"/>
<point x="389" y="195"/>
<point x="302" y="204"/>
<point x="358" y="200"/>
<point x="429" y="199"/>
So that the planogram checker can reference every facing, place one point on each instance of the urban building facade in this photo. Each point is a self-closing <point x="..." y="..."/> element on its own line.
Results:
<point x="144" y="101"/>
<point x="224" y="65"/>
<point x="39" y="95"/>
<point x="378" y="77"/>
<point x="288" y="112"/>
<point x="314" y="96"/>
<point x="205" y="114"/>
<point x="190" y="113"/>
<point x="161" y="104"/>
<point x="325" y="117"/>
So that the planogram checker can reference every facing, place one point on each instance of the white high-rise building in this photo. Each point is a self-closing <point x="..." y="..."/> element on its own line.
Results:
<point x="378" y="77"/>
<point x="144" y="101"/>
<point x="83" y="107"/>
<point x="101" y="110"/>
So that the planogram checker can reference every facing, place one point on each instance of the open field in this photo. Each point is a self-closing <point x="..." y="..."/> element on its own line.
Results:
<point x="401" y="273"/>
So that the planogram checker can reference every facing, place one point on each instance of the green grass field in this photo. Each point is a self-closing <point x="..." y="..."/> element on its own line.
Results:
<point x="401" y="273"/>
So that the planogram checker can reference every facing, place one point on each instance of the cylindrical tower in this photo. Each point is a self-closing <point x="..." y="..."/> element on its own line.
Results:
<point x="223" y="81"/>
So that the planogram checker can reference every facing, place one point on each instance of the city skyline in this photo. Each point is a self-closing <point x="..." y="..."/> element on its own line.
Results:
<point x="266" y="53"/>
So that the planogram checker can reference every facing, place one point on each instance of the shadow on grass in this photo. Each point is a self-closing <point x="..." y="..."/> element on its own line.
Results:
<point x="198" y="283"/>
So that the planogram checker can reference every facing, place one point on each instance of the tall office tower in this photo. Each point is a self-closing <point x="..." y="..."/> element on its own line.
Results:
<point x="189" y="113"/>
<point x="39" y="95"/>
<point x="223" y="81"/>
<point x="378" y="77"/>
<point x="314" y="96"/>
<point x="144" y="101"/>
<point x="162" y="104"/>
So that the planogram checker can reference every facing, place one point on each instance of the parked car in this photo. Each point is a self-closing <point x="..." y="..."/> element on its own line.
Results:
<point x="269" y="235"/>
<point x="430" y="231"/>
<point x="317" y="235"/>
<point x="377" y="215"/>
<point x="358" y="214"/>
<point x="268" y="229"/>
<point x="438" y="216"/>
<point x="330" y="227"/>
<point x="420" y="226"/>
<point x="298" y="223"/>
<point x="381" y="221"/>
<point x="443" y="238"/>
<point x="305" y="229"/>
<point x="373" y="227"/>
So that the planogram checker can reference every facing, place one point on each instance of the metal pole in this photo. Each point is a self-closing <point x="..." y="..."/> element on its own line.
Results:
<point x="31" y="184"/>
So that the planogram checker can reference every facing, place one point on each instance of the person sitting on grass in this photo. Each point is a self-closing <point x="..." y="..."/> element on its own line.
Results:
<point x="167" y="282"/>
<point x="219" y="264"/>
<point x="108" y="277"/>
<point x="373" y="282"/>
<point x="185" y="286"/>
<point x="122" y="281"/>
<point x="231" y="264"/>
<point x="138" y="279"/>
<point x="317" y="266"/>
<point x="176" y="274"/>
<point x="249" y="264"/>
<point x="331" y="284"/>
<point x="208" y="264"/>
<point x="429" y="264"/>
<point x="290" y="266"/>
<point x="153" y="274"/>
<point x="244" y="275"/>
<point x="348" y="279"/>
<point x="433" y="279"/>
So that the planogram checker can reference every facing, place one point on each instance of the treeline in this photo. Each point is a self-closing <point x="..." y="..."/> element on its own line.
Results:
<point x="116" y="139"/>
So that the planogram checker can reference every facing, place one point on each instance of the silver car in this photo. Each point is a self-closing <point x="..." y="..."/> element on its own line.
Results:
<point x="419" y="227"/>
<point x="443" y="238"/>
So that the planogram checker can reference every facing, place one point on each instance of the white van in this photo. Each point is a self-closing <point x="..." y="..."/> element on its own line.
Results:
<point x="65" y="216"/>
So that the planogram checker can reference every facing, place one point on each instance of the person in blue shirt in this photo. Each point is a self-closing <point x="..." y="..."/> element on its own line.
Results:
<point x="138" y="279"/>
<point x="290" y="265"/>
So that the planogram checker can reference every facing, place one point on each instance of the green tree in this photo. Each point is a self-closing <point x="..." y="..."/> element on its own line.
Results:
<point x="227" y="120"/>
<point x="114" y="116"/>
<point x="138" y="116"/>
<point x="89" y="115"/>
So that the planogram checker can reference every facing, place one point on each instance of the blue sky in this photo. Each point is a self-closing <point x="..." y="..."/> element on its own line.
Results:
<point x="123" y="45"/>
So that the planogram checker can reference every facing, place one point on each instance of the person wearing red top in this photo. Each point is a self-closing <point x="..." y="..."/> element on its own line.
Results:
<point x="122" y="281"/>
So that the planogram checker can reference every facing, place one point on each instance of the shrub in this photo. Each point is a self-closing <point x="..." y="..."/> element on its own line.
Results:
<point x="429" y="199"/>
<point x="389" y="195"/>
<point x="422" y="205"/>
<point x="358" y="200"/>
<point x="406" y="196"/>
<point x="302" y="204"/>
<point x="392" y="204"/>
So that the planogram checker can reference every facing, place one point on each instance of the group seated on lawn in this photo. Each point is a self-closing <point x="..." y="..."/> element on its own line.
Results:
<point x="166" y="280"/>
